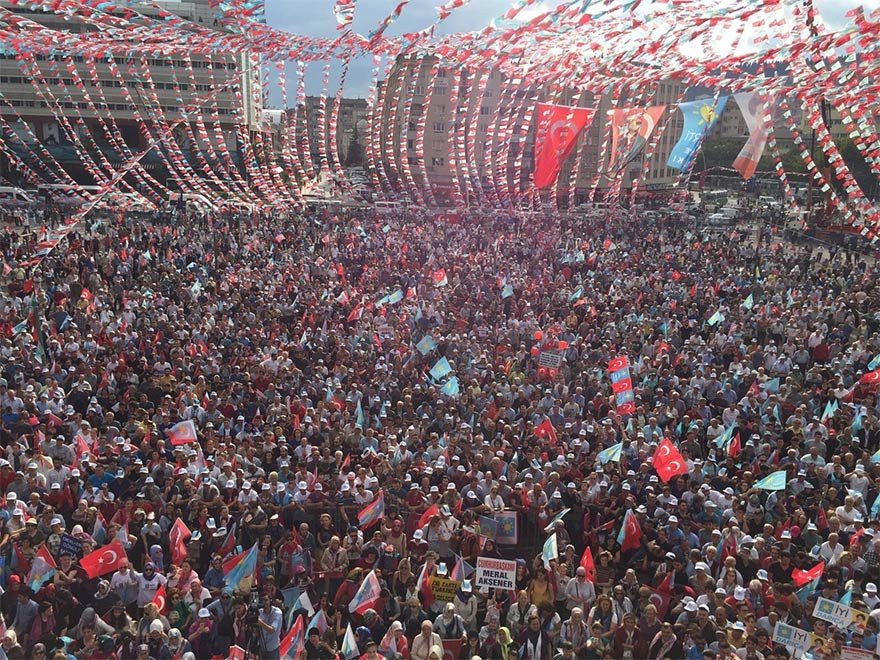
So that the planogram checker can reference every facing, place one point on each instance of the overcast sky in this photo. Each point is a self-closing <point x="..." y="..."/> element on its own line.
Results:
<point x="315" y="17"/>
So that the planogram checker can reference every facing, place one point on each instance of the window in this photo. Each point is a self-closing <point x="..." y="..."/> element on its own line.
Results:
<point x="485" y="110"/>
<point x="409" y="144"/>
<point x="438" y="161"/>
<point x="438" y="126"/>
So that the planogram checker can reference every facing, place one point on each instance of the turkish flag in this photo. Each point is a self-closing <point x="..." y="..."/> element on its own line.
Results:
<point x="870" y="378"/>
<point x="545" y="430"/>
<point x="105" y="559"/>
<point x="734" y="446"/>
<point x="660" y="600"/>
<point x="800" y="578"/>
<point x="668" y="461"/>
<point x="619" y="362"/>
<point x="159" y="599"/>
<point x="429" y="513"/>
<point x="177" y="536"/>
<point x="588" y="564"/>
<point x="556" y="134"/>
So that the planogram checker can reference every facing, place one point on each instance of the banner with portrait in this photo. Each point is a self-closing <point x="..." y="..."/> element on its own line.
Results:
<point x="753" y="111"/>
<point x="631" y="128"/>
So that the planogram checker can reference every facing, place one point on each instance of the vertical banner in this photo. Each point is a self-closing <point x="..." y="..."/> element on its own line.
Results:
<point x="621" y="385"/>
<point x="630" y="130"/>
<point x="753" y="113"/>
<point x="555" y="136"/>
<point x="699" y="118"/>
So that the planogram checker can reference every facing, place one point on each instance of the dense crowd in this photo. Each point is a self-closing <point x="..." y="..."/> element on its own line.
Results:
<point x="304" y="349"/>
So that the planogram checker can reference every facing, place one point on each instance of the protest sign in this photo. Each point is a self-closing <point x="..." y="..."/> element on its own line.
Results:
<point x="496" y="573"/>
<point x="550" y="360"/>
<point x="852" y="653"/>
<point x="443" y="588"/>
<point x="792" y="637"/>
<point x="70" y="545"/>
<point x="835" y="613"/>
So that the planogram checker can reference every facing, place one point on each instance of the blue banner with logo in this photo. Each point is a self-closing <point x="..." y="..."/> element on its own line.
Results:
<point x="699" y="117"/>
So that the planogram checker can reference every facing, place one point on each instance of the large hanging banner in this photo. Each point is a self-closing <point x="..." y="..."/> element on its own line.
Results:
<point x="630" y="130"/>
<point x="753" y="112"/>
<point x="699" y="118"/>
<point x="556" y="134"/>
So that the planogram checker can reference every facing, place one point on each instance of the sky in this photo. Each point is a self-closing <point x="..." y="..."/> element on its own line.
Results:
<point x="315" y="18"/>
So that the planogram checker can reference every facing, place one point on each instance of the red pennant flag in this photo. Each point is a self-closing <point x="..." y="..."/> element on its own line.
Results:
<point x="104" y="560"/>
<point x="429" y="513"/>
<point x="668" y="461"/>
<point x="159" y="599"/>
<point x="557" y="131"/>
<point x="800" y="577"/>
<point x="666" y="583"/>
<point x="870" y="378"/>
<point x="588" y="564"/>
<point x="733" y="448"/>
<point x="177" y="537"/>
<point x="821" y="520"/>
<point x="546" y="431"/>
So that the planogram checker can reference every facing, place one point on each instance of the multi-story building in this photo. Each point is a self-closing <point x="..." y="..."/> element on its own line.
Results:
<point x="473" y="111"/>
<point x="225" y="86"/>
<point x="350" y="127"/>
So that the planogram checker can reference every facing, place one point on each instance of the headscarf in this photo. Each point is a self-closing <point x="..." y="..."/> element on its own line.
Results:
<point x="504" y="641"/>
<point x="90" y="617"/>
<point x="157" y="558"/>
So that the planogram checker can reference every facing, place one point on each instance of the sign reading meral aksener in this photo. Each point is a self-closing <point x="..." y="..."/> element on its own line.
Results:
<point x="496" y="573"/>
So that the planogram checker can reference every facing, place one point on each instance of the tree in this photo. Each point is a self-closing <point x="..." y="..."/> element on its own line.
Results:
<point x="355" y="154"/>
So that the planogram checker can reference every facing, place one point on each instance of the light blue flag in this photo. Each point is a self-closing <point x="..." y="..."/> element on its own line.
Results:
<point x="716" y="318"/>
<point x="506" y="292"/>
<point x="577" y="294"/>
<point x="846" y="598"/>
<point x="440" y="369"/>
<point x="290" y="596"/>
<point x="349" y="644"/>
<point x="450" y="387"/>
<point x="875" y="507"/>
<point x="550" y="550"/>
<point x="664" y="329"/>
<point x="874" y="363"/>
<point x="426" y="345"/>
<point x="361" y="420"/>
<point x="699" y="117"/>
<point x="856" y="425"/>
<point x="773" y="481"/>
<point x="777" y="414"/>
<point x="723" y="439"/>
<point x="828" y="412"/>
<point x="772" y="385"/>
<point x="243" y="569"/>
<point x="804" y="592"/>
<point x="749" y="302"/>
<point x="611" y="454"/>
<point x="875" y="457"/>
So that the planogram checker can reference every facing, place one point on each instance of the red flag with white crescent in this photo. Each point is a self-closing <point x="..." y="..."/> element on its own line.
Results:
<point x="668" y="461"/>
<point x="556" y="135"/>
<point x="105" y="559"/>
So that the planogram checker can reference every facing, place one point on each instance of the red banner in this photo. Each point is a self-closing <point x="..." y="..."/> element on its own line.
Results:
<point x="555" y="136"/>
<point x="631" y="129"/>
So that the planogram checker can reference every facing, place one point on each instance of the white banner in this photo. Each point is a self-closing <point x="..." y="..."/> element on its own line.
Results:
<point x="496" y="573"/>
<point x="791" y="637"/>
<point x="833" y="612"/>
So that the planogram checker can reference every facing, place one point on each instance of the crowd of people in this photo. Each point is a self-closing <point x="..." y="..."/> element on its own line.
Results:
<point x="367" y="391"/>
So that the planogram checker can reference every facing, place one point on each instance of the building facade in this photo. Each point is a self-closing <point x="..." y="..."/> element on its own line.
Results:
<point x="224" y="88"/>
<point x="481" y="121"/>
